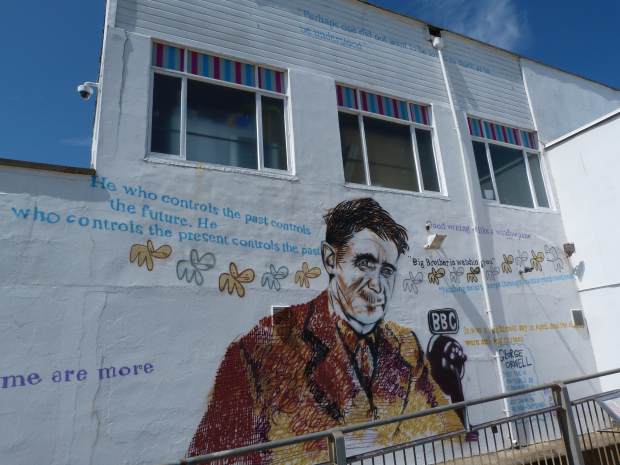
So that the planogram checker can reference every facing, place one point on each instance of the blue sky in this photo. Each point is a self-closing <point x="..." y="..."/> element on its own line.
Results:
<point x="42" y="118"/>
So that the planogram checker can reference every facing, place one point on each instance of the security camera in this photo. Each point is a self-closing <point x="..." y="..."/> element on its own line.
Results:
<point x="87" y="89"/>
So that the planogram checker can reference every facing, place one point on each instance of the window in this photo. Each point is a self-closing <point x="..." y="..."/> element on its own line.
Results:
<point x="386" y="142"/>
<point x="508" y="163"/>
<point x="215" y="110"/>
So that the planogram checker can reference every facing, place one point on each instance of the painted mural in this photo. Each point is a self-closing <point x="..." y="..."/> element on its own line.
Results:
<point x="335" y="359"/>
<point x="164" y="307"/>
<point x="374" y="326"/>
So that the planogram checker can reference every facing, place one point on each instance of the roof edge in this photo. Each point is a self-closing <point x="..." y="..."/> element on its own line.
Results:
<point x="515" y="54"/>
<point x="587" y="127"/>
<point x="59" y="168"/>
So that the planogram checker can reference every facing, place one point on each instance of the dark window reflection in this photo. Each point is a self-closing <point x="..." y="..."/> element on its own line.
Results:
<point x="351" y="143"/>
<point x="166" y="123"/>
<point x="484" y="172"/>
<point x="390" y="155"/>
<point x="274" y="134"/>
<point x="427" y="160"/>
<point x="221" y="125"/>
<point x="537" y="180"/>
<point x="511" y="180"/>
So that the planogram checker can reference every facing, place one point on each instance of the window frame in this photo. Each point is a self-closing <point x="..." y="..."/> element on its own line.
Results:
<point x="524" y="153"/>
<point x="258" y="93"/>
<point x="413" y="125"/>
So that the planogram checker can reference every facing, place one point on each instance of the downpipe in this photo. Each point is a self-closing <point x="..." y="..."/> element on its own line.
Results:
<point x="438" y="44"/>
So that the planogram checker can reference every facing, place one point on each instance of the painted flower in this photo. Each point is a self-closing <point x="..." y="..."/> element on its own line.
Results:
<point x="233" y="281"/>
<point x="273" y="277"/>
<point x="537" y="260"/>
<point x="411" y="283"/>
<point x="507" y="263"/>
<point x="191" y="270"/>
<point x="456" y="273"/>
<point x="435" y="275"/>
<point x="472" y="276"/>
<point x="491" y="273"/>
<point x="553" y="256"/>
<point x="303" y="276"/>
<point x="521" y="259"/>
<point x="144" y="254"/>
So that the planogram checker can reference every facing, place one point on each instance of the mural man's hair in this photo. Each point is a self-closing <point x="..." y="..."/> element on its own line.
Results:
<point x="352" y="216"/>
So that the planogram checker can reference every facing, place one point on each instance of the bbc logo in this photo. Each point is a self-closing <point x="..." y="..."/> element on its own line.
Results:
<point x="443" y="321"/>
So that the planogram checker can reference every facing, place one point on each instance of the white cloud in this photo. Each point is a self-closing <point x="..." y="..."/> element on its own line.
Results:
<point x="498" y="22"/>
<point x="77" y="141"/>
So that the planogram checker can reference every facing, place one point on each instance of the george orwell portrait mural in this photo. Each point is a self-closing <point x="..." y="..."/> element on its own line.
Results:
<point x="335" y="360"/>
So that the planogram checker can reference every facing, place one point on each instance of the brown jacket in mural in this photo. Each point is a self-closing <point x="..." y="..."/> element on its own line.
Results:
<point x="297" y="373"/>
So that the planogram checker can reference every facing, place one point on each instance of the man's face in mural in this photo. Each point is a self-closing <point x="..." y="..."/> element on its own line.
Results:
<point x="362" y="277"/>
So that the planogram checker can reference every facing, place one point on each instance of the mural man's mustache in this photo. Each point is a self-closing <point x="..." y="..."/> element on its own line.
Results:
<point x="372" y="297"/>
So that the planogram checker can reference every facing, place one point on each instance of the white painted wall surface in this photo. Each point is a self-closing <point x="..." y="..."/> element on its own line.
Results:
<point x="585" y="172"/>
<point x="487" y="82"/>
<point x="563" y="102"/>
<point x="284" y="32"/>
<point x="601" y="310"/>
<point x="72" y="300"/>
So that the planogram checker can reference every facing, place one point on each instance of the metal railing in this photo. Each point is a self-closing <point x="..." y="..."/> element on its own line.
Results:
<point x="599" y="435"/>
<point x="567" y="432"/>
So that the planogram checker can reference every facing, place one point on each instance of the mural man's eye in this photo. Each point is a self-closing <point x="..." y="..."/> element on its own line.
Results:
<point x="387" y="272"/>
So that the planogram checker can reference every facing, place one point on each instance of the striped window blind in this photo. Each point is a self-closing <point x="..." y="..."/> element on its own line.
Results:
<point x="421" y="114"/>
<point x="270" y="79"/>
<point x="168" y="57"/>
<point x="347" y="97"/>
<point x="497" y="132"/>
<point x="382" y="105"/>
<point x="219" y="68"/>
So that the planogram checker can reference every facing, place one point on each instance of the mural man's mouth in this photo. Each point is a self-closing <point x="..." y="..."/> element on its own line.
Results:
<point x="374" y="303"/>
<point x="372" y="299"/>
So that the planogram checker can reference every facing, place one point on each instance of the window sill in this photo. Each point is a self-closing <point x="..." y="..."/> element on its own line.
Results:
<point x="548" y="211"/>
<point x="426" y="195"/>
<point x="175" y="161"/>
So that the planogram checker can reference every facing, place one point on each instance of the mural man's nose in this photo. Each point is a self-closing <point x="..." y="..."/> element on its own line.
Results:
<point x="374" y="284"/>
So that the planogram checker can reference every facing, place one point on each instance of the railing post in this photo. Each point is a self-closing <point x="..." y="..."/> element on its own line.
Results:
<point x="337" y="449"/>
<point x="567" y="425"/>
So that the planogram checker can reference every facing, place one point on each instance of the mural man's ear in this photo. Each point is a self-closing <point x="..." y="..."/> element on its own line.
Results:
<point x="328" y="253"/>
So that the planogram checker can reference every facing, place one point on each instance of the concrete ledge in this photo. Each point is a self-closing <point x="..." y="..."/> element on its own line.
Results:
<point x="46" y="166"/>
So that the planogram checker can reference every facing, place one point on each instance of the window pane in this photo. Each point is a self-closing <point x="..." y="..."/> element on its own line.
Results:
<point x="513" y="187"/>
<point x="484" y="172"/>
<point x="427" y="160"/>
<point x="166" y="124"/>
<point x="537" y="180"/>
<point x="221" y="125"/>
<point x="274" y="134"/>
<point x="351" y="143"/>
<point x="390" y="155"/>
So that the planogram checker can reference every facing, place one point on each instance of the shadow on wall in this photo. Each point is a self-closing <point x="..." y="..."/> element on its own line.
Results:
<point x="464" y="97"/>
<point x="580" y="270"/>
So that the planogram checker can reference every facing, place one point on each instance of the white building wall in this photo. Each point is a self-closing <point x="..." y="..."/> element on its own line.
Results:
<point x="585" y="171"/>
<point x="563" y="102"/>
<point x="301" y="34"/>
<point x="74" y="300"/>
